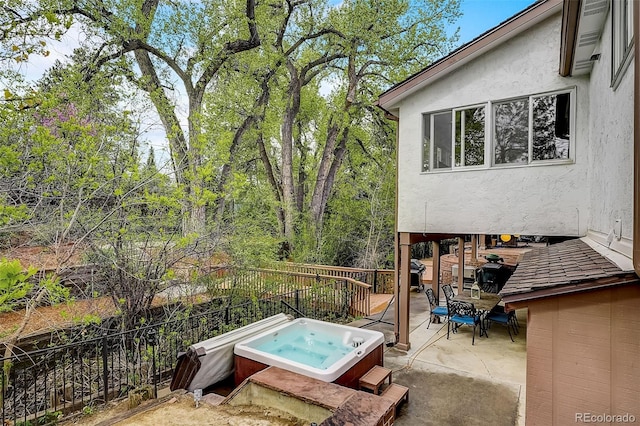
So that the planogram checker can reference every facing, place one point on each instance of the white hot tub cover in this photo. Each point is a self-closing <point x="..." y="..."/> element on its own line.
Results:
<point x="211" y="360"/>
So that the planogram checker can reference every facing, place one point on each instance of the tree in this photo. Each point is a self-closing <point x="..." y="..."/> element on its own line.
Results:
<point x="303" y="136"/>
<point x="152" y="43"/>
<point x="382" y="42"/>
<point x="77" y="173"/>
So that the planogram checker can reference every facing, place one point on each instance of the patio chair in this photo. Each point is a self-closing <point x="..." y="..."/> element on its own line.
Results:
<point x="448" y="292"/>
<point x="440" y="311"/>
<point x="512" y="314"/>
<point x="463" y="313"/>
<point x="505" y="318"/>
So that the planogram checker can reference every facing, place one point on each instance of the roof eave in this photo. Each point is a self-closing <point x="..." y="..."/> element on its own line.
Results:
<point x="537" y="12"/>
<point x="623" y="279"/>
<point x="570" y="17"/>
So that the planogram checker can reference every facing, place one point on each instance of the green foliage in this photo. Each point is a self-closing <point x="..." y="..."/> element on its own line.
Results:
<point x="16" y="288"/>
<point x="74" y="164"/>
<point x="49" y="418"/>
<point x="14" y="284"/>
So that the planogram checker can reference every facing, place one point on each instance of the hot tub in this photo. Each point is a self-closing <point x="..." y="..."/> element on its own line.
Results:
<point x="322" y="350"/>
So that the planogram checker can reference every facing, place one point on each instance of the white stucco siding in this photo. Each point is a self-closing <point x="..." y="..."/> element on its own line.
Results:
<point x="611" y="147"/>
<point x="543" y="200"/>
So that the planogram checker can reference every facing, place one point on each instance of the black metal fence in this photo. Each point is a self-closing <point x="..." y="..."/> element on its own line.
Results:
<point x="39" y="386"/>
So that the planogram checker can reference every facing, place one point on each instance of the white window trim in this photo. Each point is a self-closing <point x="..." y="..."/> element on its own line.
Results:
<point x="530" y="160"/>
<point x="453" y="137"/>
<point x="489" y="140"/>
<point x="619" y="22"/>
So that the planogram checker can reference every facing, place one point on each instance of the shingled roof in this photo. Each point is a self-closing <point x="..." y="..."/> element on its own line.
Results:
<point x="562" y="268"/>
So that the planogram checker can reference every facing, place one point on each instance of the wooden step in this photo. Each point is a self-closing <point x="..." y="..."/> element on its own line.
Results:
<point x="396" y="393"/>
<point x="374" y="378"/>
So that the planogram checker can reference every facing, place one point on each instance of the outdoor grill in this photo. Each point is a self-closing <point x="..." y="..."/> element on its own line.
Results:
<point x="494" y="274"/>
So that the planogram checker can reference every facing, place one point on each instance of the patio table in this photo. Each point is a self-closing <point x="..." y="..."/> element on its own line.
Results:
<point x="483" y="306"/>
<point x="486" y="302"/>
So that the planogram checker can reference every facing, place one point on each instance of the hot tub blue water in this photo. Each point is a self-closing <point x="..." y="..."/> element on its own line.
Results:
<point x="317" y="349"/>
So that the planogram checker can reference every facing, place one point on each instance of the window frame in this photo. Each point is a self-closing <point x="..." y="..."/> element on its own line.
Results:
<point x="572" y="126"/>
<point x="493" y="142"/>
<point x="530" y="160"/>
<point x="622" y="39"/>
<point x="489" y="134"/>
<point x="432" y="150"/>
<point x="462" y="142"/>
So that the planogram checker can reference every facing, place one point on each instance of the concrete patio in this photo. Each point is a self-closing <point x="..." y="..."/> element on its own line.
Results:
<point x="452" y="382"/>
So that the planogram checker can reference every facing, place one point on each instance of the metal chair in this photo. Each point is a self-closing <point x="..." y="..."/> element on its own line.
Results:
<point x="448" y="292"/>
<point x="507" y="319"/>
<point x="440" y="311"/>
<point x="512" y="316"/>
<point x="463" y="313"/>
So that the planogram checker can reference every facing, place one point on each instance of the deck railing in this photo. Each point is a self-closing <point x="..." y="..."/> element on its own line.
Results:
<point x="344" y="291"/>
<point x="380" y="280"/>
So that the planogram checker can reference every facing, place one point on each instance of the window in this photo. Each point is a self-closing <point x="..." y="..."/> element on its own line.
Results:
<point x="622" y="38"/>
<point x="442" y="140"/>
<point x="551" y="127"/>
<point x="523" y="130"/>
<point x="548" y="117"/>
<point x="436" y="147"/>
<point x="470" y="137"/>
<point x="511" y="142"/>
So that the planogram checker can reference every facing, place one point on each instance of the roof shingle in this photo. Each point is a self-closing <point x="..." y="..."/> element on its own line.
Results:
<point x="567" y="263"/>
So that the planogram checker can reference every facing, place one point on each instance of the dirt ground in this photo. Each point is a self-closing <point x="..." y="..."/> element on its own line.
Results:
<point x="181" y="410"/>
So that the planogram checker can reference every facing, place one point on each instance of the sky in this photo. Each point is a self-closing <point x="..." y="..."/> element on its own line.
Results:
<point x="479" y="16"/>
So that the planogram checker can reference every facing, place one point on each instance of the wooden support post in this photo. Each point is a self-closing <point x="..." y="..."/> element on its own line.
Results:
<point x="460" y="264"/>
<point x="435" y="269"/>
<point x="405" y="285"/>
<point x="474" y="248"/>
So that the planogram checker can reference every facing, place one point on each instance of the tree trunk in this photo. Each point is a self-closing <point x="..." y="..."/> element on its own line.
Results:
<point x="256" y="117"/>
<point x="302" y="174"/>
<point x="194" y="202"/>
<point x="272" y="180"/>
<point x="288" y="191"/>
<point x="317" y="210"/>
<point x="332" y="155"/>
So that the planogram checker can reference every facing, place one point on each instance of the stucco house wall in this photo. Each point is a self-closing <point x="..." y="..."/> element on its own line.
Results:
<point x="530" y="199"/>
<point x="611" y="143"/>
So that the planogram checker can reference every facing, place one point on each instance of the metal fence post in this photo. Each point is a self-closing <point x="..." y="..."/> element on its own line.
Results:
<point x="152" y="339"/>
<point x="297" y="299"/>
<point x="105" y="368"/>
<point x="375" y="281"/>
